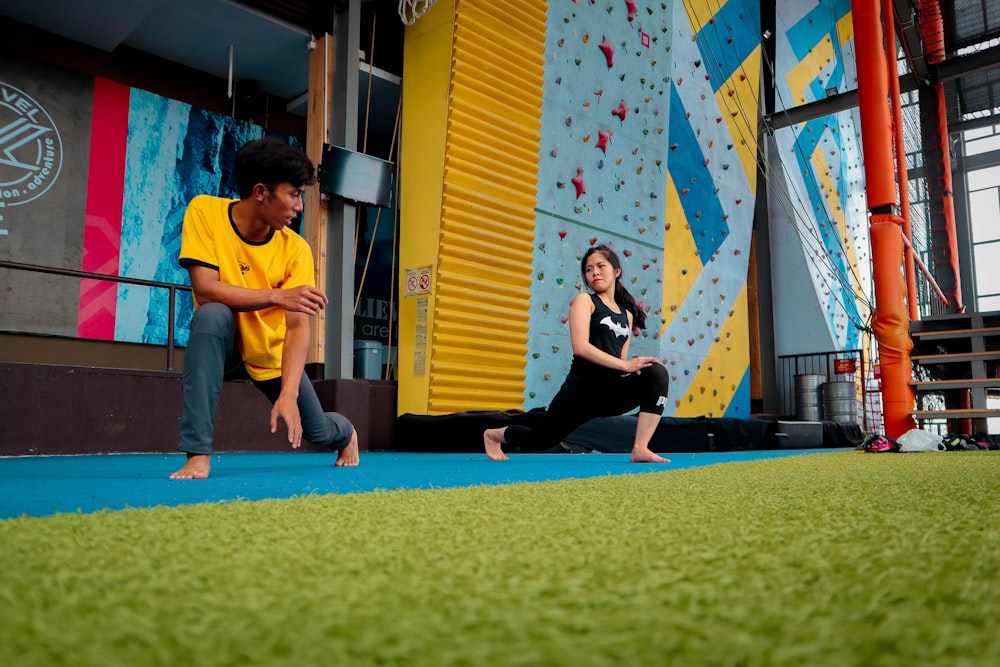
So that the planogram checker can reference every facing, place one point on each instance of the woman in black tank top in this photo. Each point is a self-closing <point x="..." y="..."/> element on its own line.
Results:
<point x="602" y="380"/>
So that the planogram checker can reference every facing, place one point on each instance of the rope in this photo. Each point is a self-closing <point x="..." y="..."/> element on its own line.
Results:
<point x="364" y="149"/>
<point x="378" y="215"/>
<point x="411" y="10"/>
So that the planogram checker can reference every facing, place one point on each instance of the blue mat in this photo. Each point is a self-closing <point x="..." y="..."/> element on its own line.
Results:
<point x="45" y="485"/>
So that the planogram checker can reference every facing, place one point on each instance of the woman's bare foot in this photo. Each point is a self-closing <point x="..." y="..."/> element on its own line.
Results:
<point x="493" y="442"/>
<point x="197" y="467"/>
<point x="348" y="456"/>
<point x="646" y="455"/>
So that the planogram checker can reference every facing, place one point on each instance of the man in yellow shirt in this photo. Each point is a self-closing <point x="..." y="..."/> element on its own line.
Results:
<point x="252" y="279"/>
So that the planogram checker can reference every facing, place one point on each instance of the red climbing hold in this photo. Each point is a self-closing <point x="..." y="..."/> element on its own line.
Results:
<point x="609" y="52"/>
<point x="603" y="137"/>
<point x="578" y="182"/>
<point x="621" y="111"/>
<point x="632" y="9"/>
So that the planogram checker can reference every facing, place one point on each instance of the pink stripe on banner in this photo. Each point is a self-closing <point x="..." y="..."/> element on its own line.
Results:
<point x="102" y="233"/>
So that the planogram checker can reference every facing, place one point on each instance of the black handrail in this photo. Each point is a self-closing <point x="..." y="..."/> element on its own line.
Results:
<point x="172" y="287"/>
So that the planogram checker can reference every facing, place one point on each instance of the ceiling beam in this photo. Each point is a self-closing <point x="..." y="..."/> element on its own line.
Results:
<point x="959" y="66"/>
<point x="952" y="68"/>
<point x="909" y="32"/>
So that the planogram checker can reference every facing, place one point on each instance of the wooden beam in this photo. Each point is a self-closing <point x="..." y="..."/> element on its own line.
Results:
<point x="957" y="413"/>
<point x="960" y="383"/>
<point x="316" y="214"/>
<point x="988" y="355"/>
<point x="931" y="334"/>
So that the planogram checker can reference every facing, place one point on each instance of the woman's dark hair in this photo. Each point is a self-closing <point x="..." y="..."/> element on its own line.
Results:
<point x="623" y="297"/>
<point x="272" y="162"/>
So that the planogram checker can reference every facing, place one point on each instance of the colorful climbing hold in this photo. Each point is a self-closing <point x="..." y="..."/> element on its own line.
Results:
<point x="578" y="182"/>
<point x="621" y="111"/>
<point x="608" y="51"/>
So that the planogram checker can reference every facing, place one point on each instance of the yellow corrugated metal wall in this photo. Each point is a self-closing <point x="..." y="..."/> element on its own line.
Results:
<point x="479" y="341"/>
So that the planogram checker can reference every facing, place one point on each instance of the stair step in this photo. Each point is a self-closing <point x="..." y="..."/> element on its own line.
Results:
<point x="957" y="413"/>
<point x="956" y="357"/>
<point x="984" y="317"/>
<point x="930" y="334"/>
<point x="961" y="383"/>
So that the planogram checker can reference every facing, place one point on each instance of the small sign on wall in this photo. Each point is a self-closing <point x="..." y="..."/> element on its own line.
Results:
<point x="418" y="281"/>
<point x="845" y="366"/>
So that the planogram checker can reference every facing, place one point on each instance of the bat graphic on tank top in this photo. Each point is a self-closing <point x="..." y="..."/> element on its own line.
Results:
<point x="617" y="328"/>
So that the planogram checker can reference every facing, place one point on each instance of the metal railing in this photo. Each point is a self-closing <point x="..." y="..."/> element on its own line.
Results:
<point x="171" y="287"/>
<point x="845" y="365"/>
<point x="931" y="301"/>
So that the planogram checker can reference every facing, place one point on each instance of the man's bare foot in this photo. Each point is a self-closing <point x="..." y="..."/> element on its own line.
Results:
<point x="348" y="456"/>
<point x="646" y="455"/>
<point x="197" y="467"/>
<point x="493" y="442"/>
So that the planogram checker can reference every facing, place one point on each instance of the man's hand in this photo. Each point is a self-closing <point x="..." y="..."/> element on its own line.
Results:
<point x="208" y="288"/>
<point x="288" y="409"/>
<point x="302" y="299"/>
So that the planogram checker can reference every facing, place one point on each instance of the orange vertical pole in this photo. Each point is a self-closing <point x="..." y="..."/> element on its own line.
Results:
<point x="873" y="105"/>
<point x="890" y="322"/>
<point x="944" y="238"/>
<point x="902" y="176"/>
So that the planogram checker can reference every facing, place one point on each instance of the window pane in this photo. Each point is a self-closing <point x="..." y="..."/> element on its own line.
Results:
<point x="983" y="178"/>
<point x="988" y="303"/>
<point x="987" y="260"/>
<point x="981" y="140"/>
<point x="978" y="133"/>
<point x="984" y="215"/>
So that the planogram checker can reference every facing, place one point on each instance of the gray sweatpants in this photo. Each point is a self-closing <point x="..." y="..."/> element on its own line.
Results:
<point x="212" y="356"/>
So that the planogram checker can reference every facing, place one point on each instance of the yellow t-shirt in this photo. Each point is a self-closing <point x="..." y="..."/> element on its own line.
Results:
<point x="284" y="260"/>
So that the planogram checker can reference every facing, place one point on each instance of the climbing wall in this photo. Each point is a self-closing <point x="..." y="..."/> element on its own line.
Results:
<point x="648" y="141"/>
<point x="817" y="205"/>
<point x="648" y="144"/>
<point x="602" y="175"/>
<point x="710" y="206"/>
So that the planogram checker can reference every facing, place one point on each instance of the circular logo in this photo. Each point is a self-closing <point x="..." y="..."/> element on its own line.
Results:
<point x="30" y="148"/>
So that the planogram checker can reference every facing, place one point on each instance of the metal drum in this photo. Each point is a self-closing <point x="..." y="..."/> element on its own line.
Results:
<point x="807" y="397"/>
<point x="840" y="401"/>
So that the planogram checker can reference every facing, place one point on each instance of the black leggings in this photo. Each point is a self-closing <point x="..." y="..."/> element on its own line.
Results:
<point x="580" y="399"/>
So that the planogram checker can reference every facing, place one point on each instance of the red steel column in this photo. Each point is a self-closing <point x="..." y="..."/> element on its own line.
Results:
<point x="937" y="160"/>
<point x="901" y="171"/>
<point x="890" y="321"/>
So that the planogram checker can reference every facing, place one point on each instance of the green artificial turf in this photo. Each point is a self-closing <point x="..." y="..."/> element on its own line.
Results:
<point x="839" y="559"/>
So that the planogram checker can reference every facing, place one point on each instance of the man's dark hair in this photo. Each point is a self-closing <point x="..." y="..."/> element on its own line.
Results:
<point x="272" y="162"/>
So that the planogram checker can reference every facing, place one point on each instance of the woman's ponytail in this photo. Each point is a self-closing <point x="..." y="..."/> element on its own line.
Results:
<point x="625" y="299"/>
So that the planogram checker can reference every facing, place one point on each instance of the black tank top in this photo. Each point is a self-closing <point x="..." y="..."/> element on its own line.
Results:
<point x="608" y="332"/>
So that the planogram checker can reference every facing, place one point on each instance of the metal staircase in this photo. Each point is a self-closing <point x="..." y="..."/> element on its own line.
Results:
<point x="956" y="371"/>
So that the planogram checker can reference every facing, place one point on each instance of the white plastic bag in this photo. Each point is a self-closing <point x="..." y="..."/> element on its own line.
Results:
<point x="918" y="440"/>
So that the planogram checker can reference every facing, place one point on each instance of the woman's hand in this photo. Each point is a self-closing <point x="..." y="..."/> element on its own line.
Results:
<point x="636" y="364"/>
